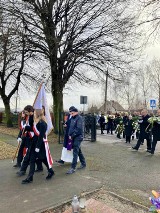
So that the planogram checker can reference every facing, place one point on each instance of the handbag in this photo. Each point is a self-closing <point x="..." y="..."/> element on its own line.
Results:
<point x="69" y="144"/>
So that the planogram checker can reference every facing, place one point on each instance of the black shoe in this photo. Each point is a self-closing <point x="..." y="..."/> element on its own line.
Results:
<point x="70" y="171"/>
<point x="60" y="162"/>
<point x="148" y="150"/>
<point x="151" y="152"/>
<point x="50" y="174"/>
<point x="38" y="170"/>
<point x="82" y="167"/>
<point x="27" y="180"/>
<point x="17" y="166"/>
<point x="132" y="137"/>
<point x="133" y="147"/>
<point x="21" y="173"/>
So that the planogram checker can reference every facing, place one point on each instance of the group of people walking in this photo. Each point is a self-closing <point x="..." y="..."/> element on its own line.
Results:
<point x="138" y="126"/>
<point x="149" y="126"/>
<point x="33" y="144"/>
<point x="34" y="148"/>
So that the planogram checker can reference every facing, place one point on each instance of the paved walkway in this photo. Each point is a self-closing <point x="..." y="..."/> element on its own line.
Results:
<point x="110" y="163"/>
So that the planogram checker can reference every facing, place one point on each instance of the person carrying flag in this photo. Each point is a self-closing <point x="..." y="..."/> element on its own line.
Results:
<point x="39" y="147"/>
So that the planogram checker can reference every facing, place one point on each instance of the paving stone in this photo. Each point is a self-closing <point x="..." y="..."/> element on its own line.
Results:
<point x="94" y="206"/>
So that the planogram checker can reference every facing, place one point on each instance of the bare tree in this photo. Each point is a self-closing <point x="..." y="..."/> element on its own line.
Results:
<point x="126" y="90"/>
<point x="154" y="70"/>
<point x="75" y="34"/>
<point x="150" y="18"/>
<point x="14" y="54"/>
<point x="145" y="81"/>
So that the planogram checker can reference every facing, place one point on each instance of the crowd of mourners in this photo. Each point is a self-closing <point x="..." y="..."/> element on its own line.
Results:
<point x="139" y="125"/>
<point x="33" y="147"/>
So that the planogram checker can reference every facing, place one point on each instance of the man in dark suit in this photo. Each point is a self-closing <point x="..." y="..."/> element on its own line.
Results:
<point x="143" y="122"/>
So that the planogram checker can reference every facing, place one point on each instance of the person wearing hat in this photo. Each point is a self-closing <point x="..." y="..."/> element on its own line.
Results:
<point x="66" y="156"/>
<point x="76" y="135"/>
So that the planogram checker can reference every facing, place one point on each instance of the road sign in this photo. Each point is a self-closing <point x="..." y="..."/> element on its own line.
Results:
<point x="152" y="103"/>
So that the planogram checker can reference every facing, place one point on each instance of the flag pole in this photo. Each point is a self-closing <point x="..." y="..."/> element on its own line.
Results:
<point x="40" y="86"/>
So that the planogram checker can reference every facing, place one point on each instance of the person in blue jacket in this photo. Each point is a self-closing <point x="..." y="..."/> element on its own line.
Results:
<point x="76" y="135"/>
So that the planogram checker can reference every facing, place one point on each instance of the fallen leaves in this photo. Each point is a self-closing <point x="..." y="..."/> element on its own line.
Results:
<point x="9" y="131"/>
<point x="7" y="151"/>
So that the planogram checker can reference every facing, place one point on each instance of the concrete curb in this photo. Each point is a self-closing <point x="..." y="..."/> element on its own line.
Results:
<point x="128" y="201"/>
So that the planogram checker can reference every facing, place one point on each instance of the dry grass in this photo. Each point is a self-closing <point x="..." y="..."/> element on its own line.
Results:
<point x="9" y="131"/>
<point x="52" y="138"/>
<point x="7" y="151"/>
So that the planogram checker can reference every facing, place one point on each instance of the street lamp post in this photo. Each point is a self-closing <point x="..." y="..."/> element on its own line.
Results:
<point x="106" y="88"/>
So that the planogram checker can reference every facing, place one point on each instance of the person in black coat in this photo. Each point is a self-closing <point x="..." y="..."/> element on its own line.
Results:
<point x="110" y="124"/>
<point x="155" y="132"/>
<point x="101" y="121"/>
<point x="39" y="147"/>
<point x="21" y="140"/>
<point x="143" y="123"/>
<point x="25" y="136"/>
<point x="128" y="125"/>
<point x="125" y="118"/>
<point x="66" y="130"/>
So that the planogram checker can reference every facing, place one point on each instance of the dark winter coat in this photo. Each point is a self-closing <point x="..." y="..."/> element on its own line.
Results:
<point x="68" y="122"/>
<point x="101" y="120"/>
<point x="27" y="129"/>
<point x="110" y="123"/>
<point x="156" y="131"/>
<point x="125" y="118"/>
<point x="38" y="141"/>
<point x="29" y="126"/>
<point x="128" y="127"/>
<point x="76" y="128"/>
<point x="143" y="123"/>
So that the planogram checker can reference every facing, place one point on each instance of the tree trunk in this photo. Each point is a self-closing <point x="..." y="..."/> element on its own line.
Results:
<point x="6" y="102"/>
<point x="57" y="94"/>
<point x="159" y="98"/>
